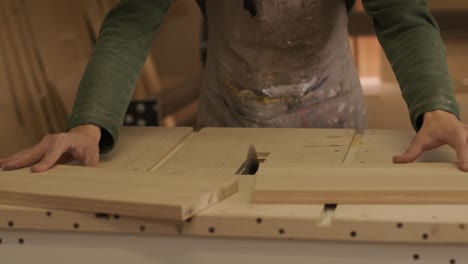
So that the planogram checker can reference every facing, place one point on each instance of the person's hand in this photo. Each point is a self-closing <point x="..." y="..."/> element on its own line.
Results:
<point x="439" y="128"/>
<point x="80" y="143"/>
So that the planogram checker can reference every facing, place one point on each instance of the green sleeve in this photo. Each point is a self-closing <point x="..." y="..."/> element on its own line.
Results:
<point x="411" y="39"/>
<point x="115" y="63"/>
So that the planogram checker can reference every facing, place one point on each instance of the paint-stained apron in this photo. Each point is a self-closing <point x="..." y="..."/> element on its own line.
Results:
<point x="280" y="63"/>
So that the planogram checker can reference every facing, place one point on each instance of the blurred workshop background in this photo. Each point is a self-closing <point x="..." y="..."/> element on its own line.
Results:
<point x="45" y="45"/>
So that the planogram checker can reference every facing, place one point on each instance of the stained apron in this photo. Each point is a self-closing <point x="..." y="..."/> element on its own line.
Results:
<point x="287" y="63"/>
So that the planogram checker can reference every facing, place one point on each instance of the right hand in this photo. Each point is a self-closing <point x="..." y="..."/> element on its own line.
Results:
<point x="80" y="143"/>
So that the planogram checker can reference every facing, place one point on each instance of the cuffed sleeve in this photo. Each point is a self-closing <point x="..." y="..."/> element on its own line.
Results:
<point x="116" y="61"/>
<point x="411" y="39"/>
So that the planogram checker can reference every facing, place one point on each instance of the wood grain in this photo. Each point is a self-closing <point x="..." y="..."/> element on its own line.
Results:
<point x="380" y="145"/>
<point x="142" y="148"/>
<point x="237" y="216"/>
<point x="361" y="184"/>
<point x="113" y="191"/>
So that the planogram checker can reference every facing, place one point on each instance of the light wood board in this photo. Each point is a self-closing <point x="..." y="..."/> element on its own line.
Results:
<point x="142" y="148"/>
<point x="380" y="145"/>
<point x="172" y="197"/>
<point x="364" y="184"/>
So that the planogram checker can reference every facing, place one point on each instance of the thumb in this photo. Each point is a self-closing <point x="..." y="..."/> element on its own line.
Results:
<point x="461" y="148"/>
<point x="50" y="158"/>
<point x="411" y="154"/>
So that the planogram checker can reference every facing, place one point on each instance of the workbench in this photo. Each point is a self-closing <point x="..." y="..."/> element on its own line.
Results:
<point x="236" y="229"/>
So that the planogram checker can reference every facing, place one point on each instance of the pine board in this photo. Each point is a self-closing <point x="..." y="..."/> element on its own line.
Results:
<point x="138" y="194"/>
<point x="30" y="114"/>
<point x="363" y="184"/>
<point x="428" y="223"/>
<point x="222" y="151"/>
<point x="138" y="149"/>
<point x="142" y="148"/>
<point x="380" y="145"/>
<point x="12" y="127"/>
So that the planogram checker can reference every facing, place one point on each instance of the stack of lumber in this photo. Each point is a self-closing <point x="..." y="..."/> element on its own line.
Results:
<point x="45" y="46"/>
<point x="175" y="54"/>
<point x="31" y="103"/>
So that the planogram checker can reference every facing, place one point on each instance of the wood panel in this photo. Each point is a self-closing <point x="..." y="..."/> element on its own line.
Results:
<point x="418" y="223"/>
<point x="379" y="146"/>
<point x="163" y="196"/>
<point x="27" y="100"/>
<point x="139" y="149"/>
<point x="142" y="148"/>
<point x="224" y="149"/>
<point x="13" y="136"/>
<point x="358" y="184"/>
<point x="212" y="151"/>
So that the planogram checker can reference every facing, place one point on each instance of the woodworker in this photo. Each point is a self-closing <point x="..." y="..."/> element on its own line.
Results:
<point x="271" y="63"/>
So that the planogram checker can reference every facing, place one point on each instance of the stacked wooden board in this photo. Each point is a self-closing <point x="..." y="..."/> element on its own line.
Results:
<point x="167" y="195"/>
<point x="221" y="153"/>
<point x="45" y="49"/>
<point x="362" y="184"/>
<point x="28" y="96"/>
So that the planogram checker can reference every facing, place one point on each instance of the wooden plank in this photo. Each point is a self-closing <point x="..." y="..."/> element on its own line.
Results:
<point x="54" y="112"/>
<point x="212" y="151"/>
<point x="172" y="197"/>
<point x="142" y="148"/>
<point x="93" y="18"/>
<point x="13" y="136"/>
<point x="28" y="104"/>
<point x="379" y="146"/>
<point x="451" y="23"/>
<point x="224" y="149"/>
<point x="138" y="149"/>
<point x="396" y="223"/>
<point x="60" y="33"/>
<point x="357" y="184"/>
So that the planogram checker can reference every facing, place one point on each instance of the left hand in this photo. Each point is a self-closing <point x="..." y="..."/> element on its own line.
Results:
<point x="439" y="128"/>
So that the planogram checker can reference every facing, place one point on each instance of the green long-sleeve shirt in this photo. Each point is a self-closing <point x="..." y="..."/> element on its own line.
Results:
<point x="405" y="28"/>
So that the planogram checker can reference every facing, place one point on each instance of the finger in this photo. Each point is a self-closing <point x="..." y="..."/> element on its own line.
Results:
<point x="458" y="141"/>
<point x="462" y="156"/>
<point x="13" y="157"/>
<point x="50" y="158"/>
<point x="412" y="153"/>
<point x="25" y="158"/>
<point x="91" y="158"/>
<point x="2" y="161"/>
<point x="65" y="158"/>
